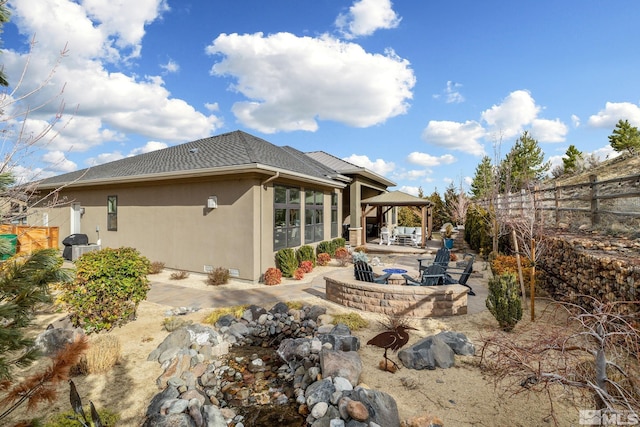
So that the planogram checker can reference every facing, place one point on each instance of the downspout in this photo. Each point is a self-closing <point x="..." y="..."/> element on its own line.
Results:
<point x="264" y="186"/>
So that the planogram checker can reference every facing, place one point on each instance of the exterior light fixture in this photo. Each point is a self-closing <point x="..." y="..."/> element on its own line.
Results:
<point x="212" y="202"/>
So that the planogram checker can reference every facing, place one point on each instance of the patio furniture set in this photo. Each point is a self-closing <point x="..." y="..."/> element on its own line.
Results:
<point x="408" y="236"/>
<point x="438" y="272"/>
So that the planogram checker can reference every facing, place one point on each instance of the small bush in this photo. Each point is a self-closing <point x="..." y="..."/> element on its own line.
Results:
<point x="326" y="247"/>
<point x="339" y="242"/>
<point x="453" y="256"/>
<point x="504" y="302"/>
<point x="102" y="355"/>
<point x="361" y="248"/>
<point x="502" y="264"/>
<point x="342" y="255"/>
<point x="287" y="261"/>
<point x="306" y="266"/>
<point x="306" y="253"/>
<point x="109" y="285"/>
<point x="353" y="320"/>
<point x="219" y="276"/>
<point x="156" y="267"/>
<point x="179" y="275"/>
<point x="360" y="256"/>
<point x="172" y="323"/>
<point x="272" y="276"/>
<point x="295" y="305"/>
<point x="298" y="274"/>
<point x="324" y="259"/>
<point x="236" y="311"/>
<point x="69" y="418"/>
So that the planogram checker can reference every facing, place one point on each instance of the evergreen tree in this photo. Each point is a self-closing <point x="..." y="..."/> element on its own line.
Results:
<point x="573" y="161"/>
<point x="439" y="214"/>
<point x="523" y="166"/>
<point x="625" y="137"/>
<point x="483" y="180"/>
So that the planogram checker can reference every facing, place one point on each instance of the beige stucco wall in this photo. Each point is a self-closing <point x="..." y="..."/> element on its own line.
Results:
<point x="168" y="221"/>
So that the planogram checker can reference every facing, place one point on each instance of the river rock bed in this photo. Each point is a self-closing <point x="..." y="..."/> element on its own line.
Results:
<point x="229" y="375"/>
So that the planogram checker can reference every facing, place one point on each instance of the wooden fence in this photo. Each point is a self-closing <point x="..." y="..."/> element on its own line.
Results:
<point x="610" y="203"/>
<point x="31" y="238"/>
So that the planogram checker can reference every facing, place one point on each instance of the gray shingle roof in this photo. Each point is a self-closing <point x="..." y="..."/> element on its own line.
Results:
<point x="232" y="149"/>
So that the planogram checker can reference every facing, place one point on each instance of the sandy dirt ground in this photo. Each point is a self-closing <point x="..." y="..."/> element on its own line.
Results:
<point x="463" y="395"/>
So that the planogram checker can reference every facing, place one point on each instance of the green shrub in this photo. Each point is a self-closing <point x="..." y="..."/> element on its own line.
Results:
<point x="286" y="261"/>
<point x="70" y="419"/>
<point x="326" y="247"/>
<point x="306" y="253"/>
<point x="339" y="242"/>
<point x="109" y="285"/>
<point x="219" y="276"/>
<point x="504" y="302"/>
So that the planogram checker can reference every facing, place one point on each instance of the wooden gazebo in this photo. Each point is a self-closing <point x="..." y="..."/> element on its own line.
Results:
<point x="385" y="201"/>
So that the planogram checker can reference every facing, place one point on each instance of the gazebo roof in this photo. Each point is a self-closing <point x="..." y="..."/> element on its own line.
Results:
<point x="396" y="198"/>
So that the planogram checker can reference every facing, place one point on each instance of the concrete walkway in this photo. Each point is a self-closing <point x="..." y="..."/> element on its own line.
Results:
<point x="169" y="294"/>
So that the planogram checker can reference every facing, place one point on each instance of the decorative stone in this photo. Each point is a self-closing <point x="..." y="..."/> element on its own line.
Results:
<point x="346" y="364"/>
<point x="428" y="353"/>
<point x="319" y="409"/>
<point x="458" y="342"/>
<point x="357" y="411"/>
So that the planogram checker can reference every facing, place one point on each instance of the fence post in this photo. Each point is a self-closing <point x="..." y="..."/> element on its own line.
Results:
<point x="595" y="208"/>
<point x="556" y="195"/>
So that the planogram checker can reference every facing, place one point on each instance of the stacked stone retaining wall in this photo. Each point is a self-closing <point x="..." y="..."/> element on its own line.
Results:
<point x="411" y="301"/>
<point x="575" y="268"/>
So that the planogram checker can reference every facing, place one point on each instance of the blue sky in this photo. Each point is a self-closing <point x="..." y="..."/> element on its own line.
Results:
<point x="417" y="91"/>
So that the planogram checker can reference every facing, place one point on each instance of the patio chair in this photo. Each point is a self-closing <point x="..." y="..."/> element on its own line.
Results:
<point x="386" y="238"/>
<point x="416" y="239"/>
<point x="464" y="274"/>
<point x="442" y="258"/>
<point x="364" y="273"/>
<point x="432" y="275"/>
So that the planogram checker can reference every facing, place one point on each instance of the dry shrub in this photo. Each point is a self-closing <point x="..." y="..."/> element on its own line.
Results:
<point x="342" y="255"/>
<point x="236" y="311"/>
<point x="502" y="264"/>
<point x="353" y="320"/>
<point x="172" y="323"/>
<point x="102" y="355"/>
<point x="179" y="275"/>
<point x="323" y="259"/>
<point x="156" y="267"/>
<point x="295" y="305"/>
<point x="219" y="276"/>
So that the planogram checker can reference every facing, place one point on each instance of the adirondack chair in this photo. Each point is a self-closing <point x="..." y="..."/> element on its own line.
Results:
<point x="464" y="274"/>
<point x="443" y="256"/>
<point x="432" y="275"/>
<point x="364" y="272"/>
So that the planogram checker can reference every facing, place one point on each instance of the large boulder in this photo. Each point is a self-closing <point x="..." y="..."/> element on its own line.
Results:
<point x="428" y="353"/>
<point x="382" y="408"/>
<point x="345" y="364"/>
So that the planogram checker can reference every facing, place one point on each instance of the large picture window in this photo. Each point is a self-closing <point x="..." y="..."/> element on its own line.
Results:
<point x="286" y="213"/>
<point x="313" y="216"/>
<point x="112" y="213"/>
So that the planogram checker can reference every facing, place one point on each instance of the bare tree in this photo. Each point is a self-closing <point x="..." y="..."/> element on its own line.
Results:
<point x="19" y="142"/>
<point x="592" y="354"/>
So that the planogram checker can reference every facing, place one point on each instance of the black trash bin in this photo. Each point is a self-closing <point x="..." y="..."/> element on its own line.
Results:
<point x="73" y="240"/>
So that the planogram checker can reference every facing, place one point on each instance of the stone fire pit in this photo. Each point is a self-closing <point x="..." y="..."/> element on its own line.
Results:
<point x="411" y="301"/>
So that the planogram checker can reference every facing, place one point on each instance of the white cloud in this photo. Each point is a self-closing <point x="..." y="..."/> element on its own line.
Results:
<point x="148" y="147"/>
<point x="170" y="67"/>
<point x="614" y="111"/>
<point x="455" y="136"/>
<point x="104" y="158"/>
<point x="378" y="166"/>
<point x="427" y="160"/>
<point x="291" y="82"/>
<point x="109" y="104"/>
<point x="452" y="93"/>
<point x="367" y="16"/>
<point x="575" y="120"/>
<point x="549" y="130"/>
<point x="414" y="191"/>
<point x="516" y="110"/>
<point x="58" y="162"/>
